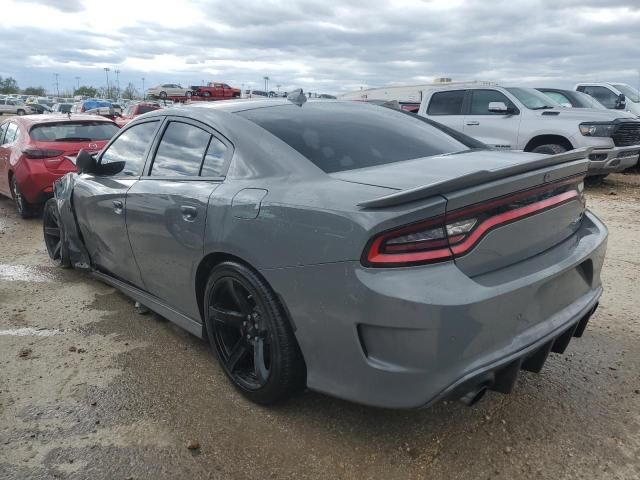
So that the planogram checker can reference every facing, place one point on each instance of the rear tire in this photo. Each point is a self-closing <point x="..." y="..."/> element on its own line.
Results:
<point x="595" y="179"/>
<point x="549" y="149"/>
<point x="163" y="95"/>
<point x="53" y="232"/>
<point x="24" y="208"/>
<point x="188" y="95"/>
<point x="250" y="335"/>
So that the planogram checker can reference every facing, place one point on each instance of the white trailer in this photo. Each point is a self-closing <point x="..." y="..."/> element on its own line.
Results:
<point x="403" y="93"/>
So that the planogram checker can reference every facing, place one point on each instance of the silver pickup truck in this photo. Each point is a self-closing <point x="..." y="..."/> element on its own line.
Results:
<point x="14" y="106"/>
<point x="516" y="118"/>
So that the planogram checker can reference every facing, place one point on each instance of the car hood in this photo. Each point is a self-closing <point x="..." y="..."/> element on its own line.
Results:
<point x="429" y="170"/>
<point x="586" y="114"/>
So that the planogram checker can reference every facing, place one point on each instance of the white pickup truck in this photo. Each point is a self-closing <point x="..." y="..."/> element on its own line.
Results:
<point x="516" y="118"/>
<point x="615" y="96"/>
<point x="14" y="106"/>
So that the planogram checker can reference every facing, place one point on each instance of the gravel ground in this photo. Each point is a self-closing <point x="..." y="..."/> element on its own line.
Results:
<point x="95" y="391"/>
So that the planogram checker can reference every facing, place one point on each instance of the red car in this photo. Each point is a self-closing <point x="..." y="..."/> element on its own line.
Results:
<point x="35" y="150"/>
<point x="216" y="90"/>
<point x="134" y="110"/>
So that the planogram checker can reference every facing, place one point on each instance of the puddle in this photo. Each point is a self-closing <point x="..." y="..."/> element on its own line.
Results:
<point x="24" y="273"/>
<point x="30" y="332"/>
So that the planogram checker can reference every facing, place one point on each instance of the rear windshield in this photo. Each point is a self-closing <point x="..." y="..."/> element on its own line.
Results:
<point x="73" y="131"/>
<point x="339" y="136"/>
<point x="146" y="109"/>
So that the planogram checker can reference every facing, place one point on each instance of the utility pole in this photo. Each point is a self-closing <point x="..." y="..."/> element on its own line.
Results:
<point x="118" y="81"/>
<point x="278" y="89"/>
<point x="266" y="84"/>
<point x="78" y="82"/>
<point x="106" y="71"/>
<point x="57" y="85"/>
<point x="144" y="94"/>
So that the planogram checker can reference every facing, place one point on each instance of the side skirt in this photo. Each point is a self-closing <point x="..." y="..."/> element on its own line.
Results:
<point x="153" y="303"/>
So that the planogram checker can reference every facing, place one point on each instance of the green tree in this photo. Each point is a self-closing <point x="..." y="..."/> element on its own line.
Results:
<point x="86" y="91"/>
<point x="130" y="92"/>
<point x="8" y="85"/>
<point x="38" y="91"/>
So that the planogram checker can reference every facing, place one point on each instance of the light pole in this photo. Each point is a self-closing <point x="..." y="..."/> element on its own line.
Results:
<point x="266" y="85"/>
<point x="57" y="85"/>
<point x="118" y="81"/>
<point x="106" y="71"/>
<point x="78" y="82"/>
<point x="144" y="94"/>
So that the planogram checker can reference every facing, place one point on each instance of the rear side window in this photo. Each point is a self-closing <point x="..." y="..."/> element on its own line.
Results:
<point x="3" y="130"/>
<point x="480" y="100"/>
<point x="347" y="135"/>
<point x="214" y="159"/>
<point x="73" y="132"/>
<point x="130" y="148"/>
<point x="181" y="151"/>
<point x="12" y="133"/>
<point x="446" y="103"/>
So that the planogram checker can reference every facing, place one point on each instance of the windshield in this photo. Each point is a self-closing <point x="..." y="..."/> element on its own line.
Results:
<point x="629" y="92"/>
<point x="532" y="99"/>
<point x="587" y="101"/>
<point x="344" y="136"/>
<point x="73" y="131"/>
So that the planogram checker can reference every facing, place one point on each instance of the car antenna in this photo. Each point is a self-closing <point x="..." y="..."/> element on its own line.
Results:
<point x="297" y="97"/>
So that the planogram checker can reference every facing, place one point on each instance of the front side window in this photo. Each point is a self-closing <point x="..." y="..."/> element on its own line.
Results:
<point x="181" y="151"/>
<point x="345" y="136"/>
<point x="480" y="100"/>
<point x="446" y="103"/>
<point x="602" y="94"/>
<point x="130" y="148"/>
<point x="629" y="92"/>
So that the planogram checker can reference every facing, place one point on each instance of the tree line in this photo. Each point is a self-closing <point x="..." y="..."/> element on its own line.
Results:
<point x="9" y="85"/>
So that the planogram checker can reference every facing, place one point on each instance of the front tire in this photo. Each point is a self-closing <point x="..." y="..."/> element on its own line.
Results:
<point x="188" y="95"/>
<point x="20" y="112"/>
<point x="52" y="229"/>
<point x="163" y="95"/>
<point x="24" y="208"/>
<point x="250" y="335"/>
<point x="549" y="149"/>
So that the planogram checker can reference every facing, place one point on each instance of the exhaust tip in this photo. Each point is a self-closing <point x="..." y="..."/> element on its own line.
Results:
<point x="473" y="396"/>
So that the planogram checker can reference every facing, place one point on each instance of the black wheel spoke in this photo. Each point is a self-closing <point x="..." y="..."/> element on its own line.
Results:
<point x="56" y="251"/>
<point x="227" y="317"/>
<point x="259" y="366"/>
<point x="54" y="231"/>
<point x="239" y="297"/>
<point x="238" y="352"/>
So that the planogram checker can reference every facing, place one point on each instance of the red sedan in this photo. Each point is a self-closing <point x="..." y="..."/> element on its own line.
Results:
<point x="36" y="150"/>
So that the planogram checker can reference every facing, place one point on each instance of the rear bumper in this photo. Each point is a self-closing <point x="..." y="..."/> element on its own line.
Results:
<point x="407" y="337"/>
<point x="36" y="181"/>
<point x="611" y="160"/>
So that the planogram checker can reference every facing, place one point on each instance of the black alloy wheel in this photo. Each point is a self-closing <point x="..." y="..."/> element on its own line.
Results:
<point x="53" y="238"/>
<point x="252" y="339"/>
<point x="25" y="210"/>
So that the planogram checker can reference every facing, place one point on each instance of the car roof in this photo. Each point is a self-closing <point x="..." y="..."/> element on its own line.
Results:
<point x="31" y="120"/>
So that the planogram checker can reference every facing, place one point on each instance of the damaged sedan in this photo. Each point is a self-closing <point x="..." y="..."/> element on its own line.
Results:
<point x="352" y="249"/>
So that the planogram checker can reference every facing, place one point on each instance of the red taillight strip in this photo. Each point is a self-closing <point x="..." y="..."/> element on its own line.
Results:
<point x="511" y="216"/>
<point x="375" y="257"/>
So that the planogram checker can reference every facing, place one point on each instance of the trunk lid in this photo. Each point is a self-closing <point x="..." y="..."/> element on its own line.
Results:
<point x="518" y="204"/>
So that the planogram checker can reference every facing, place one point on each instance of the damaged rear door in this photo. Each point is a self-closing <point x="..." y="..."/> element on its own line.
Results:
<point x="100" y="202"/>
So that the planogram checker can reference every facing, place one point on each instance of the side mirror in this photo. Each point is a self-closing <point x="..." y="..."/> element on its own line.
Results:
<point x="621" y="102"/>
<point x="498" y="107"/>
<point x="86" y="163"/>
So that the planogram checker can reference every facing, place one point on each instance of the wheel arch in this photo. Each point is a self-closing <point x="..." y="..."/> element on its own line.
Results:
<point x="547" y="139"/>
<point x="207" y="264"/>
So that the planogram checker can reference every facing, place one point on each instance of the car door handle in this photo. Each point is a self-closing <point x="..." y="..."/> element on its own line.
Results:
<point x="188" y="212"/>
<point x="117" y="206"/>
<point x="473" y="122"/>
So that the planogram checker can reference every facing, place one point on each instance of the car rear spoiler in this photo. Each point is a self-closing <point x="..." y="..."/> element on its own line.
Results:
<point x="473" y="178"/>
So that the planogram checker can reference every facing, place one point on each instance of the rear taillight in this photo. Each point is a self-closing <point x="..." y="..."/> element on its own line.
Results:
<point x="38" y="153"/>
<point x="455" y="234"/>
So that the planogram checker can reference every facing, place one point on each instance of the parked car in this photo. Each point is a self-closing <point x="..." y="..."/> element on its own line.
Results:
<point x="361" y="251"/>
<point x="614" y="96"/>
<point x="36" y="150"/>
<point x="62" y="107"/>
<point x="136" y="109"/>
<point x="95" y="106"/>
<point x="40" y="108"/>
<point x="516" y="118"/>
<point x="255" y="93"/>
<point x="571" y="98"/>
<point x="217" y="90"/>
<point x="15" y="107"/>
<point x="169" y="90"/>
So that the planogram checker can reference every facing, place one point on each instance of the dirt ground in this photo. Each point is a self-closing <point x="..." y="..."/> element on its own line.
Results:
<point x="95" y="391"/>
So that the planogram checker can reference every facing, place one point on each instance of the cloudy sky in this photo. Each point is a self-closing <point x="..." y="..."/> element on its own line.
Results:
<point x="320" y="45"/>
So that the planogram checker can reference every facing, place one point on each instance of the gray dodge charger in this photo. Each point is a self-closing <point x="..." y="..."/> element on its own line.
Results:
<point x="353" y="249"/>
